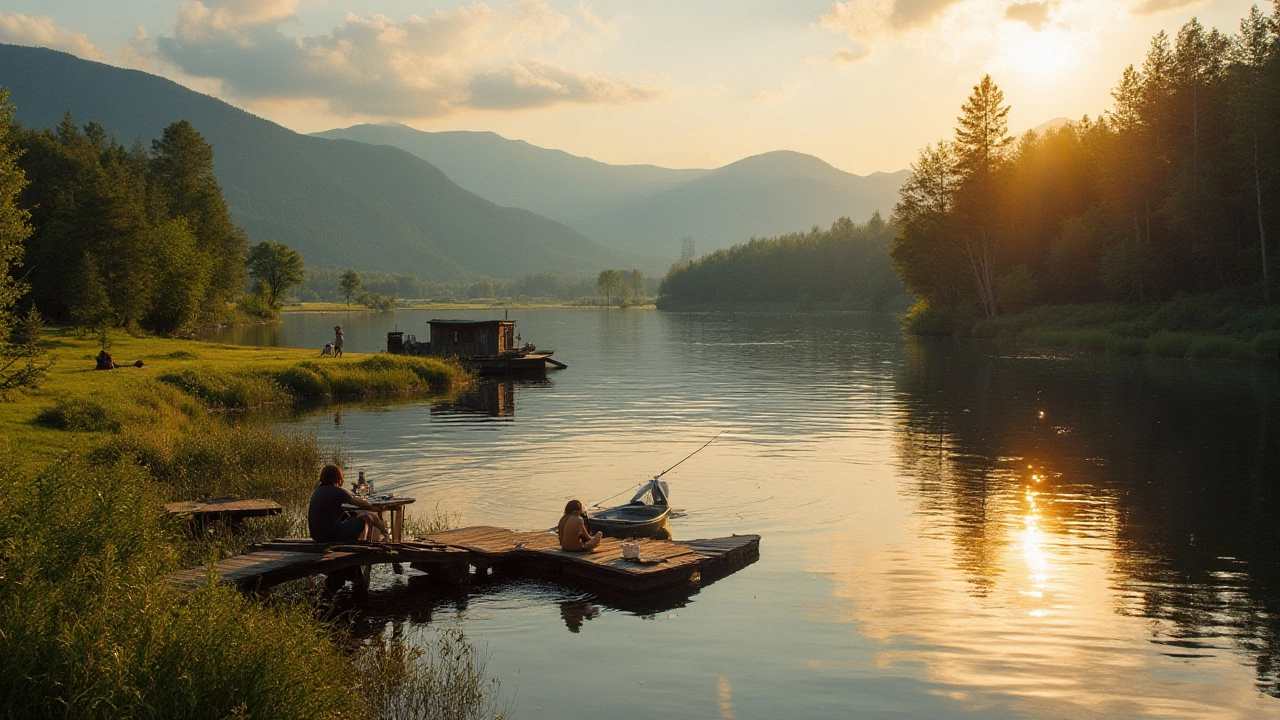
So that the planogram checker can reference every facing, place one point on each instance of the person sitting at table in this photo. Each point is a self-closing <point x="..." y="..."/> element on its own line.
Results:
<point x="572" y="530"/>
<point x="325" y="513"/>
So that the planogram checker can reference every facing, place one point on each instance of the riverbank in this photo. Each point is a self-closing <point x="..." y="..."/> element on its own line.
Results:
<point x="430" y="305"/>
<point x="1220" y="326"/>
<point x="897" y="305"/>
<point x="87" y="618"/>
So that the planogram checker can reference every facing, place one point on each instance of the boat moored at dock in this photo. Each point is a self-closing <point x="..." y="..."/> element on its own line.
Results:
<point x="488" y="347"/>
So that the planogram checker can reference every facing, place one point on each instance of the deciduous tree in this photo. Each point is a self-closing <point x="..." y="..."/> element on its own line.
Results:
<point x="275" y="267"/>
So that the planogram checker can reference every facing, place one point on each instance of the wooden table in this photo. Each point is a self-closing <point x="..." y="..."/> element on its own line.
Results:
<point x="396" y="507"/>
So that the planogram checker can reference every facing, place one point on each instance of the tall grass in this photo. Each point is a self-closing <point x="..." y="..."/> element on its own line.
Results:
<point x="90" y="628"/>
<point x="89" y="625"/>
<point x="374" y="376"/>
<point x="444" y="681"/>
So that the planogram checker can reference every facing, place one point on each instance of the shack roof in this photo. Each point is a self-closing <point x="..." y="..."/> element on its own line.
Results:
<point x="470" y="322"/>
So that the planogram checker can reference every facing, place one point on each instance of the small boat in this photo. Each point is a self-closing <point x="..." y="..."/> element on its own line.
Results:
<point x="645" y="516"/>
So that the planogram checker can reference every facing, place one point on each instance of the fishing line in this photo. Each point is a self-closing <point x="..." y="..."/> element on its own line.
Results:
<point x="664" y="472"/>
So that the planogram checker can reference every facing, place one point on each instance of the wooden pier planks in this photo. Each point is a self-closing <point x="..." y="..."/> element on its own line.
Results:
<point x="223" y="509"/>
<point x="250" y="569"/>
<point x="667" y="564"/>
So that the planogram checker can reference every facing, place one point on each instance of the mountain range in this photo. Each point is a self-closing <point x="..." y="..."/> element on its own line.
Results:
<point x="342" y="204"/>
<point x="645" y="208"/>
<point x="447" y="205"/>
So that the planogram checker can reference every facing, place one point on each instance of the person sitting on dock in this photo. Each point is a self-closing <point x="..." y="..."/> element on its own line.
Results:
<point x="324" y="515"/>
<point x="572" y="530"/>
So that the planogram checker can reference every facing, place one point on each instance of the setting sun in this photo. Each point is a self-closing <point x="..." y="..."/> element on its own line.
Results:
<point x="1043" y="54"/>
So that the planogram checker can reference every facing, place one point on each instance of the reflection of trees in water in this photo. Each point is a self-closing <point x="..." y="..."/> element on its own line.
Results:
<point x="1172" y="467"/>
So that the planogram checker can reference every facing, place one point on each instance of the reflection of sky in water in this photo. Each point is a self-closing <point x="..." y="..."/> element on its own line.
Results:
<point x="944" y="533"/>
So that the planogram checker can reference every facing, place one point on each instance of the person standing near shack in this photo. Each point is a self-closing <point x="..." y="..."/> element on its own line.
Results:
<point x="324" y="515"/>
<point x="337" y="341"/>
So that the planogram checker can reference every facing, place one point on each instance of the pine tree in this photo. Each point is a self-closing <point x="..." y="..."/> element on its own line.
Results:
<point x="982" y="141"/>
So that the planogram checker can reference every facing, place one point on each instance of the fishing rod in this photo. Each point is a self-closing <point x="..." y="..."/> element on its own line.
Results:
<point x="664" y="472"/>
<point x="695" y="452"/>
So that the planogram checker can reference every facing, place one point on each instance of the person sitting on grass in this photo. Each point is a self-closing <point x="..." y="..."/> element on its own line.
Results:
<point x="324" y="515"/>
<point x="572" y="530"/>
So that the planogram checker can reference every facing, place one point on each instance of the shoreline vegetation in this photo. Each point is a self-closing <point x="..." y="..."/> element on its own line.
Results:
<point x="1146" y="230"/>
<point x="88" y="621"/>
<point x="1200" y="327"/>
<point x="494" y="304"/>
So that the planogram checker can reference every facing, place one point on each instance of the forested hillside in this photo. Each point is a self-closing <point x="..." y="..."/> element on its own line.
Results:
<point x="340" y="203"/>
<point x="1175" y="189"/>
<point x="646" y="209"/>
<point x="127" y="236"/>
<point x="847" y="264"/>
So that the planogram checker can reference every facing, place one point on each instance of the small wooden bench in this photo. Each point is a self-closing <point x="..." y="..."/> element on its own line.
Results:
<point x="232" y="511"/>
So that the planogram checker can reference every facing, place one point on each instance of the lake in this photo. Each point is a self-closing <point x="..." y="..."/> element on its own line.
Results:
<point x="948" y="529"/>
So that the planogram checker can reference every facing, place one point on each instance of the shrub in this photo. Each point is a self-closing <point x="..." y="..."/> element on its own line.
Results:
<point x="79" y="414"/>
<point x="1169" y="344"/>
<point x="228" y="390"/>
<point x="1266" y="345"/>
<point x="1016" y="290"/>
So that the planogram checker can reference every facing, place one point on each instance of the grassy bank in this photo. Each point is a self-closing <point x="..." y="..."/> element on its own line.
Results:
<point x="1222" y="326"/>
<point x="88" y="625"/>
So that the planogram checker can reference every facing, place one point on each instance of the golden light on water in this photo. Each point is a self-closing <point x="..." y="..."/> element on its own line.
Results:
<point x="1033" y="627"/>
<point x="724" y="697"/>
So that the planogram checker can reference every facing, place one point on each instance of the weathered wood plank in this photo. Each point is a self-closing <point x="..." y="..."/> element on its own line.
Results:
<point x="667" y="563"/>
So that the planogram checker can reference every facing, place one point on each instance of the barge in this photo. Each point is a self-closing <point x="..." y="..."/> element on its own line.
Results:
<point x="485" y="346"/>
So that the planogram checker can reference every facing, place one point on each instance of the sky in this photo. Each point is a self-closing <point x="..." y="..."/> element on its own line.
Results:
<point x="862" y="84"/>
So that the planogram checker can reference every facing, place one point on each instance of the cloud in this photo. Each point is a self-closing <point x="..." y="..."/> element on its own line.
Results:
<point x="470" y="57"/>
<point x="872" y="19"/>
<point x="1155" y="7"/>
<point x="847" y="56"/>
<point x="908" y="14"/>
<point x="19" y="29"/>
<point x="1034" y="14"/>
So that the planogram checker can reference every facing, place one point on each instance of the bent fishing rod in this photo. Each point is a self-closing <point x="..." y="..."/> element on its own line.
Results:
<point x="695" y="452"/>
<point x="664" y="472"/>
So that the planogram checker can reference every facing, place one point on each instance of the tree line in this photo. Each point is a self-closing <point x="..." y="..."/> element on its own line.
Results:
<point x="136" y="237"/>
<point x="847" y="263"/>
<point x="1173" y="190"/>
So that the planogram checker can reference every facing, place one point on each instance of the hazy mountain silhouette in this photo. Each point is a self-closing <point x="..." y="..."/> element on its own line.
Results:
<point x="514" y="173"/>
<point x="340" y="203"/>
<point x="645" y="208"/>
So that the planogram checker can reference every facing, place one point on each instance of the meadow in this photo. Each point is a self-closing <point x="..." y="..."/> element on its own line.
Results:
<point x="89" y="627"/>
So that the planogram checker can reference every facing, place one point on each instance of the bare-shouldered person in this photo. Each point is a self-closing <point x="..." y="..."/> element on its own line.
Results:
<point x="573" y="530"/>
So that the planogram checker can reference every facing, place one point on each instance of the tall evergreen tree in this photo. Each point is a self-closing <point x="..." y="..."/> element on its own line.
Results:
<point x="182" y="172"/>
<point x="982" y="142"/>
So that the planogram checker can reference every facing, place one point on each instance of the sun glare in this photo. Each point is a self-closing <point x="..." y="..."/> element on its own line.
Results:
<point x="1046" y="54"/>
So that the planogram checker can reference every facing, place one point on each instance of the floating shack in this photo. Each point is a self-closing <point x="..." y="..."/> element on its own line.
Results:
<point x="486" y="346"/>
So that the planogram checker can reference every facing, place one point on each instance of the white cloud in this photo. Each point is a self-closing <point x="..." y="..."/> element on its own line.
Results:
<point x="472" y="56"/>
<point x="1040" y="37"/>
<point x="19" y="29"/>
<point x="1155" y="7"/>
<point x="1034" y="14"/>
<point x="874" y="19"/>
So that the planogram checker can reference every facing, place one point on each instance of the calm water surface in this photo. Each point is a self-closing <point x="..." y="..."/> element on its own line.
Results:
<point x="948" y="530"/>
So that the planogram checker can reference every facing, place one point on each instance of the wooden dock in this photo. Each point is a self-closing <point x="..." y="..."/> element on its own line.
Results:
<point x="223" y="509"/>
<point x="476" y="552"/>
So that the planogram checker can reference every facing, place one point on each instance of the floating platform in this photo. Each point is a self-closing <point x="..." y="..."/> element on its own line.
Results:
<point x="459" y="555"/>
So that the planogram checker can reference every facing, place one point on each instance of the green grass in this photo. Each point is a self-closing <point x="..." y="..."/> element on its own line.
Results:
<point x="89" y="626"/>
<point x="1223" y="326"/>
